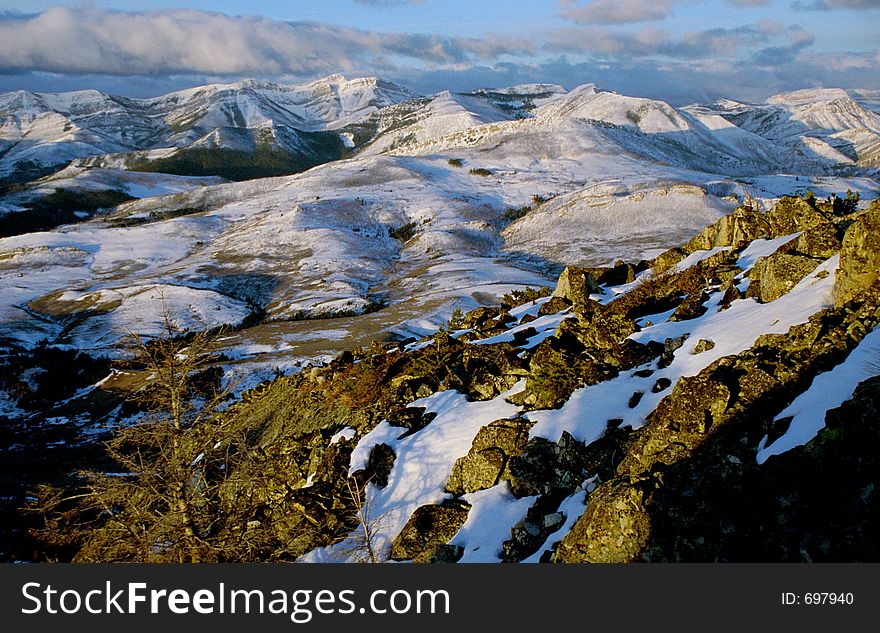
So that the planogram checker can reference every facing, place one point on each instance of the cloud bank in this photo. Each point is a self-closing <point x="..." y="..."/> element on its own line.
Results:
<point x="64" y="40"/>
<point x="618" y="45"/>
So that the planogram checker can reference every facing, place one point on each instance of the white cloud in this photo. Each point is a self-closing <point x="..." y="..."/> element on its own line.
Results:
<point x="651" y="41"/>
<point x="116" y="43"/>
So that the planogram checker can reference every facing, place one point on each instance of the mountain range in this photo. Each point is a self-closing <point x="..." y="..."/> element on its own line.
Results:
<point x="377" y="266"/>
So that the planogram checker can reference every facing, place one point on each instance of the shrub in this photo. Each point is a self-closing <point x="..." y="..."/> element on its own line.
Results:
<point x="479" y="171"/>
<point x="515" y="214"/>
<point x="516" y="298"/>
<point x="845" y="206"/>
<point x="403" y="233"/>
<point x="455" y="162"/>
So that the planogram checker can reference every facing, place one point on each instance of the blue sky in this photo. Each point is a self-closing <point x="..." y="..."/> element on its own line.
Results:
<point x="678" y="50"/>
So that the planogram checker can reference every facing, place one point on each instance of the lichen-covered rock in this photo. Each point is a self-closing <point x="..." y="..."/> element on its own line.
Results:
<point x="859" y="258"/>
<point x="792" y="214"/>
<point x="576" y="285"/>
<point x="545" y="467"/>
<point x="679" y="423"/>
<point x="703" y="345"/>
<point x="691" y="308"/>
<point x="599" y="329"/>
<point x="380" y="463"/>
<point x="820" y="241"/>
<point x="621" y="273"/>
<point x="667" y="259"/>
<point x="554" y="305"/>
<point x="490" y="452"/>
<point x="428" y="527"/>
<point x="741" y="226"/>
<point x="614" y="528"/>
<point x="413" y="419"/>
<point x="775" y="275"/>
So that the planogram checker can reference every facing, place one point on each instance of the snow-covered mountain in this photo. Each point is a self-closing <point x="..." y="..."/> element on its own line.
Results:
<point x="460" y="196"/>
<point x="830" y="126"/>
<point x="41" y="131"/>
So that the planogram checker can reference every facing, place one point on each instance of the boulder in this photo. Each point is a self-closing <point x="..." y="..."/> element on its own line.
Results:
<point x="576" y="285"/>
<point x="791" y="215"/>
<point x="819" y="241"/>
<point x="413" y="419"/>
<point x="679" y="424"/>
<point x="490" y="452"/>
<point x="620" y="273"/>
<point x="546" y="467"/>
<point x="691" y="308"/>
<point x="667" y="259"/>
<point x="556" y="304"/>
<point x="703" y="345"/>
<point x="775" y="275"/>
<point x="429" y="527"/>
<point x="859" y="258"/>
<point x="380" y="463"/>
<point x="741" y="226"/>
<point x="614" y="528"/>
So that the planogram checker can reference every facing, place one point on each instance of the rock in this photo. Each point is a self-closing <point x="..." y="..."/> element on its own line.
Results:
<point x="620" y="273"/>
<point x="662" y="384"/>
<point x="670" y="346"/>
<point x="553" y="374"/>
<point x="859" y="258"/>
<point x="412" y="419"/>
<point x="443" y="553"/>
<point x="483" y="317"/>
<point x="428" y="527"/>
<point x="731" y="294"/>
<point x="543" y="467"/>
<point x="614" y="528"/>
<point x="775" y="275"/>
<point x="703" y="345"/>
<point x="791" y="215"/>
<point x="667" y="259"/>
<point x="691" y="308"/>
<point x="488" y="456"/>
<point x="521" y="337"/>
<point x="380" y="463"/>
<point x="599" y="329"/>
<point x="741" y="226"/>
<point x="820" y="241"/>
<point x="679" y="423"/>
<point x="554" y="305"/>
<point x="576" y="285"/>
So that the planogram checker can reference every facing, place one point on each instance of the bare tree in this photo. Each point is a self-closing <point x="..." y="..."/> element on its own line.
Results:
<point x="169" y="501"/>
<point x="362" y="546"/>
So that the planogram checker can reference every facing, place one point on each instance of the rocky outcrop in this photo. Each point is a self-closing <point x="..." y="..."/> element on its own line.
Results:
<point x="859" y="258"/>
<point x="735" y="392"/>
<point x="775" y="275"/>
<point x="487" y="460"/>
<point x="738" y="228"/>
<point x="791" y="214"/>
<point x="424" y="537"/>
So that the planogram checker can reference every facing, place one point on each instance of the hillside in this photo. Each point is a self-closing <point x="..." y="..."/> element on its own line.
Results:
<point x="717" y="403"/>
